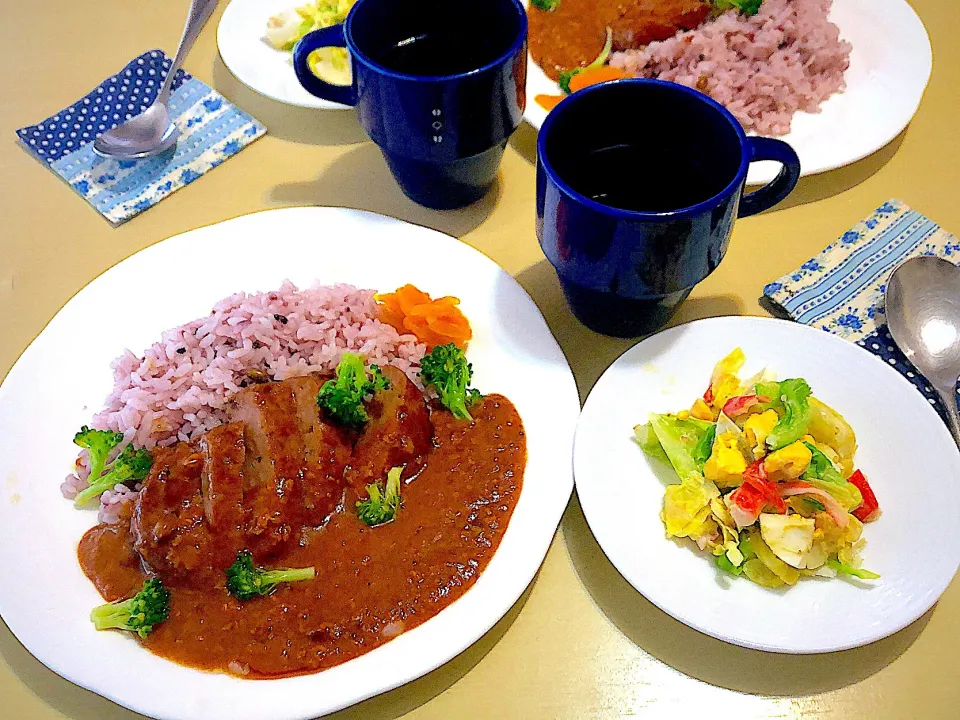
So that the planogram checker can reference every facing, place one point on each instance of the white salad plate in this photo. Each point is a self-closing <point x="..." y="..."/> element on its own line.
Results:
<point x="62" y="378"/>
<point x="254" y="61"/>
<point x="890" y="65"/>
<point x="904" y="450"/>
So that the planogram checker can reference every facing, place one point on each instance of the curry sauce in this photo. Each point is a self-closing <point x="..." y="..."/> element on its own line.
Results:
<point x="371" y="584"/>
<point x="573" y="34"/>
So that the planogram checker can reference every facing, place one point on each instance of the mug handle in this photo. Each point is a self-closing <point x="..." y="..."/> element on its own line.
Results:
<point x="324" y="37"/>
<point x="773" y="192"/>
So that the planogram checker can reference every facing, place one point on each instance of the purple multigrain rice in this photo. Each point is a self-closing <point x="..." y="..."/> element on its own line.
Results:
<point x="72" y="485"/>
<point x="167" y="395"/>
<point x="764" y="68"/>
<point x="179" y="387"/>
<point x="112" y="502"/>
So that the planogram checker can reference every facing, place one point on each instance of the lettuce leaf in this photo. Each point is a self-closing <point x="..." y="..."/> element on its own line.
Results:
<point x="843" y="492"/>
<point x="844" y="569"/>
<point x="704" y="446"/>
<point x="822" y="474"/>
<point x="687" y="443"/>
<point x="828" y="427"/>
<point x="820" y="467"/>
<point x="686" y="507"/>
<point x="794" y="394"/>
<point x="646" y="438"/>
<point x="728" y="567"/>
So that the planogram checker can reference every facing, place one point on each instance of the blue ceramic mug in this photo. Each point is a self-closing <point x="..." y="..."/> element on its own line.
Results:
<point x="439" y="86"/>
<point x="638" y="185"/>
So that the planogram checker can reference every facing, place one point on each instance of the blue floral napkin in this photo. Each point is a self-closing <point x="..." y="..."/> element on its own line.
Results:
<point x="211" y="130"/>
<point x="841" y="290"/>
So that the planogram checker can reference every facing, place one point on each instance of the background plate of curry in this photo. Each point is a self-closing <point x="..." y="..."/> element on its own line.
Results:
<point x="837" y="80"/>
<point x="480" y="496"/>
<point x="904" y="450"/>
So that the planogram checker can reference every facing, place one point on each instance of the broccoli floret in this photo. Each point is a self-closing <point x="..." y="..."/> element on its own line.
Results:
<point x="745" y="7"/>
<point x="565" y="77"/>
<point x="98" y="444"/>
<point x="446" y="368"/>
<point x="545" y="5"/>
<point x="342" y="399"/>
<point x="246" y="581"/>
<point x="139" y="614"/>
<point x="130" y="466"/>
<point x="382" y="504"/>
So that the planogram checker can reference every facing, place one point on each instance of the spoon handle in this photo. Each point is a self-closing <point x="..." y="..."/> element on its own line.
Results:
<point x="949" y="397"/>
<point x="200" y="12"/>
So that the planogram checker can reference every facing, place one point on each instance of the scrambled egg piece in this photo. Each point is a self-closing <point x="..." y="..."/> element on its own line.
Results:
<point x="790" y="537"/>
<point x="730" y="365"/>
<point x="726" y="463"/>
<point x="756" y="429"/>
<point x="789" y="462"/>
<point x="726" y="387"/>
<point x="702" y="411"/>
<point x="724" y="383"/>
<point x="834" y="538"/>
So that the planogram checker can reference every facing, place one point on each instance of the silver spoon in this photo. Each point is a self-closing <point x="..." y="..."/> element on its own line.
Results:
<point x="153" y="131"/>
<point x="923" y="314"/>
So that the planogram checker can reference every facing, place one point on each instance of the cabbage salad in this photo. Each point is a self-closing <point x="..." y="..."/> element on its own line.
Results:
<point x="284" y="30"/>
<point x="767" y="479"/>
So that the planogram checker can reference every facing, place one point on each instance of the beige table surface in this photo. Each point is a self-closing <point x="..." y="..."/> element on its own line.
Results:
<point x="580" y="643"/>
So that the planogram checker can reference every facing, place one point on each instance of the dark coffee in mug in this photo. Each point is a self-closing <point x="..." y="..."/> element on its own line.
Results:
<point x="450" y="38"/>
<point x="431" y="53"/>
<point x="638" y="185"/>
<point x="643" y="176"/>
<point x="439" y="86"/>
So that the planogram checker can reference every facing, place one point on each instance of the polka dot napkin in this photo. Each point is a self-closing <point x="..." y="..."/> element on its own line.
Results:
<point x="211" y="131"/>
<point x="841" y="290"/>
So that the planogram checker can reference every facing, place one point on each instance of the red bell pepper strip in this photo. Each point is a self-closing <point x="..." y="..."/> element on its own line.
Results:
<point x="708" y="395"/>
<point x="869" y="509"/>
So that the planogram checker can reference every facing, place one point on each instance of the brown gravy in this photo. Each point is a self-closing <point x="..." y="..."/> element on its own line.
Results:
<point x="371" y="583"/>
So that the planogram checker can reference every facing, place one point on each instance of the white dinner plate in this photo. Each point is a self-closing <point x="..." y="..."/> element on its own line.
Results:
<point x="257" y="64"/>
<point x="905" y="451"/>
<point x="62" y="378"/>
<point x="890" y="65"/>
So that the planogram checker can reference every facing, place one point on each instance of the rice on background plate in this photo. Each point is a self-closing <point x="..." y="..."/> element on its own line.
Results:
<point x="179" y="387"/>
<point x="762" y="68"/>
